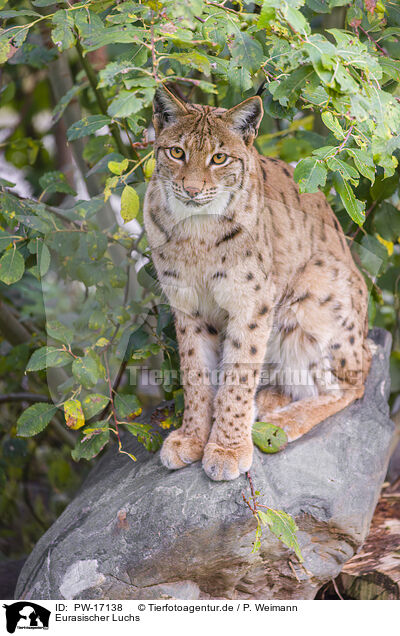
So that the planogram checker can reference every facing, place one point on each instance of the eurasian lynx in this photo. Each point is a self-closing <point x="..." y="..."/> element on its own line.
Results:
<point x="260" y="279"/>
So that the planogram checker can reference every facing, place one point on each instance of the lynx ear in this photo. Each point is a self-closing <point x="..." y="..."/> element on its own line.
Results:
<point x="245" y="118"/>
<point x="166" y="108"/>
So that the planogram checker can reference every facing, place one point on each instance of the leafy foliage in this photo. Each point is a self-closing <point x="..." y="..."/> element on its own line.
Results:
<point x="282" y="526"/>
<point x="84" y="312"/>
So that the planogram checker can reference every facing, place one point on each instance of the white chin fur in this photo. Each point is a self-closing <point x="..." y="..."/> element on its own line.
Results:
<point x="183" y="211"/>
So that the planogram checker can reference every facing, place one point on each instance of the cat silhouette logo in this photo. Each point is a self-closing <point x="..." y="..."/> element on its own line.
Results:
<point x="26" y="615"/>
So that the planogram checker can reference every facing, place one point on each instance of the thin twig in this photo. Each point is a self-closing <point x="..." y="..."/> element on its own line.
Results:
<point x="373" y="41"/>
<point x="293" y="570"/>
<point x="345" y="140"/>
<point x="153" y="52"/>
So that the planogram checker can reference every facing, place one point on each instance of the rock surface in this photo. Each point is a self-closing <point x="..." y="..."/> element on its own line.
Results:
<point x="139" y="531"/>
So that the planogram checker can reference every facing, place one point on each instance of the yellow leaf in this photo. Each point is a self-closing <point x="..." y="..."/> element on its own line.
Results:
<point x="111" y="182"/>
<point x="118" y="167"/>
<point x="148" y="168"/>
<point x="102" y="342"/>
<point x="388" y="244"/>
<point x="166" y="423"/>
<point x="129" y="204"/>
<point x="74" y="417"/>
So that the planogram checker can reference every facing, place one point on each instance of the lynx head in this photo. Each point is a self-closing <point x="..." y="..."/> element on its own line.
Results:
<point x="202" y="152"/>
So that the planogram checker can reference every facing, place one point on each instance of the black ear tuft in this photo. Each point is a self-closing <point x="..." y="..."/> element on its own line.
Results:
<point x="245" y="118"/>
<point x="166" y="108"/>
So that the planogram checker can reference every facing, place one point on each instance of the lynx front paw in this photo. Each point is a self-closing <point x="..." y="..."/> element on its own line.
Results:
<point x="179" y="450"/>
<point x="222" y="463"/>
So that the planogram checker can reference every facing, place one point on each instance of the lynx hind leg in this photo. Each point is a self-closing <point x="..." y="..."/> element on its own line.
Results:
<point x="269" y="400"/>
<point x="318" y="348"/>
<point x="301" y="416"/>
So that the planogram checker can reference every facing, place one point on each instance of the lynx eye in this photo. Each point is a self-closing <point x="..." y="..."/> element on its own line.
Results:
<point x="176" y="153"/>
<point x="219" y="158"/>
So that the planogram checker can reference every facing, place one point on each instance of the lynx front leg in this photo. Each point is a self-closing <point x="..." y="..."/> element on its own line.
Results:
<point x="198" y="355"/>
<point x="229" y="451"/>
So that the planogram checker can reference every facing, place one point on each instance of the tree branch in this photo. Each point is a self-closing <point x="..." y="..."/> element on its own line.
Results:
<point x="91" y="75"/>
<point x="23" y="397"/>
<point x="13" y="331"/>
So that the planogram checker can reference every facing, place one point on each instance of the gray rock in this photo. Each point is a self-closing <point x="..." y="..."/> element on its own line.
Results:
<point x="138" y="531"/>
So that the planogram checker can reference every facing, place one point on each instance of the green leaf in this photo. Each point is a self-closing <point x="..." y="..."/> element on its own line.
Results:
<point x="372" y="255"/>
<point x="333" y="124"/>
<point x="287" y="90"/>
<point x="267" y="14"/>
<point x="364" y="162"/>
<point x="136" y="429"/>
<point x="56" y="182"/>
<point x="95" y="243"/>
<point x="108" y="74"/>
<point x="97" y="320"/>
<point x="48" y="357"/>
<point x="35" y="419"/>
<point x="93" y="404"/>
<point x="43" y="257"/>
<point x="246" y="51"/>
<point x="282" y="526"/>
<point x="33" y="55"/>
<point x="87" y="126"/>
<point x="127" y="405"/>
<point x="60" y="332"/>
<point x="89" y="447"/>
<point x="296" y="20"/>
<point x="12" y="267"/>
<point x="194" y="59"/>
<point x="65" y="100"/>
<point x="129" y="204"/>
<point x="268" y="437"/>
<point x="85" y="371"/>
<point x="324" y="152"/>
<point x="11" y="13"/>
<point x="383" y="188"/>
<point x="43" y="3"/>
<point x="5" y="46"/>
<point x="125" y="104"/>
<point x="63" y="32"/>
<point x="73" y="412"/>
<point x="310" y="173"/>
<point x="390" y="67"/>
<point x="355" y="208"/>
<point x="240" y="77"/>
<point x="387" y="221"/>
<point x="5" y="239"/>
<point x="319" y="6"/>
<point x="97" y="427"/>
<point x="346" y="171"/>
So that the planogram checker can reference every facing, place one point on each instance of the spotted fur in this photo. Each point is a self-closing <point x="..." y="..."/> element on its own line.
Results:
<point x="261" y="282"/>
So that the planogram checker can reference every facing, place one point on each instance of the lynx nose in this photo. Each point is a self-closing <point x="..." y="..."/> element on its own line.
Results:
<point x="192" y="192"/>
